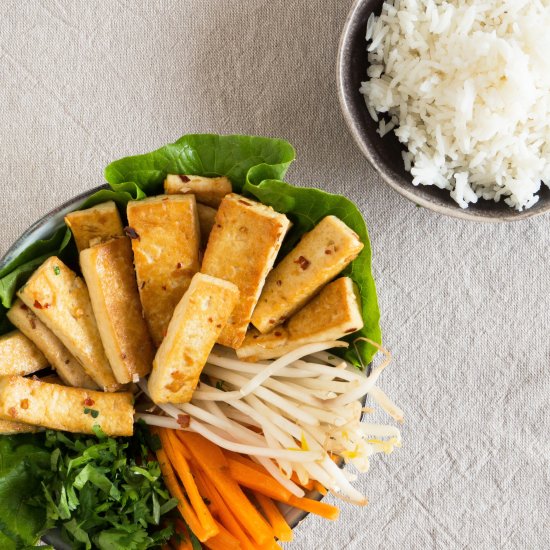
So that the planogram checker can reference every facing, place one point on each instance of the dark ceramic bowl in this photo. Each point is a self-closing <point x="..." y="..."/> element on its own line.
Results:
<point x="44" y="228"/>
<point x="385" y="153"/>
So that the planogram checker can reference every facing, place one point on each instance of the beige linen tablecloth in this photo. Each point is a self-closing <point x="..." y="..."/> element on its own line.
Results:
<point x="465" y="307"/>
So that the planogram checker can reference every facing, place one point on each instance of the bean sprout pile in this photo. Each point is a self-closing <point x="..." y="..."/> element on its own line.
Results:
<point x="295" y="414"/>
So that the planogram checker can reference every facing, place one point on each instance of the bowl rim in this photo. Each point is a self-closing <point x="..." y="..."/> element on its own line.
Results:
<point x="354" y="125"/>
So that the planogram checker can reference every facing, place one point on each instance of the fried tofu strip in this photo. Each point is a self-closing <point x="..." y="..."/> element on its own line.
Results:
<point x="59" y="357"/>
<point x="193" y="331"/>
<point x="321" y="254"/>
<point x="334" y="313"/>
<point x="63" y="408"/>
<point x="12" y="428"/>
<point x="165" y="237"/>
<point x="207" y="219"/>
<point x="60" y="299"/>
<point x="18" y="355"/>
<point x="242" y="248"/>
<point x="108" y="270"/>
<point x="209" y="191"/>
<point x="99" y="223"/>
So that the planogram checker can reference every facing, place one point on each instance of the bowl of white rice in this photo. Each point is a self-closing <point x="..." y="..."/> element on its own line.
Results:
<point x="450" y="101"/>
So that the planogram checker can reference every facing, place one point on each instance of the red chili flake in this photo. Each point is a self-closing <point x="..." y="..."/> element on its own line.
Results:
<point x="38" y="305"/>
<point x="178" y="266"/>
<point x="67" y="361"/>
<point x="277" y="333"/>
<point x="183" y="420"/>
<point x="304" y="263"/>
<point x="255" y="336"/>
<point x="218" y="225"/>
<point x="279" y="283"/>
<point x="210" y="320"/>
<point x="33" y="323"/>
<point x="24" y="307"/>
<point x="184" y="178"/>
<point x="132" y="233"/>
<point x="163" y="287"/>
<point x="12" y="412"/>
<point x="244" y="202"/>
<point x="272" y="321"/>
<point x="219" y="325"/>
<point x="123" y="356"/>
<point x="349" y="331"/>
<point x="89" y="402"/>
<point x="328" y="252"/>
<point x="24" y="404"/>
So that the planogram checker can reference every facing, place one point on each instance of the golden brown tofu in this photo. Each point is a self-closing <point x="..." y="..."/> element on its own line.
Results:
<point x="320" y="255"/>
<point x="13" y="428"/>
<point x="108" y="270"/>
<point x="334" y="313"/>
<point x="207" y="219"/>
<point x="60" y="299"/>
<point x="242" y="248"/>
<point x="59" y="357"/>
<point x="165" y="239"/>
<point x="99" y="223"/>
<point x="18" y="355"/>
<point x="209" y="191"/>
<point x="63" y="408"/>
<point x="192" y="333"/>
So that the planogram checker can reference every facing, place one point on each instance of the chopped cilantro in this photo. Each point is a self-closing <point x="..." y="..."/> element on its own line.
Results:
<point x="100" y="492"/>
<point x="56" y="270"/>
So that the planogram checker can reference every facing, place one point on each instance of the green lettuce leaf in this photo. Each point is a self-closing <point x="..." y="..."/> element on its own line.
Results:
<point x="208" y="155"/>
<point x="22" y="461"/>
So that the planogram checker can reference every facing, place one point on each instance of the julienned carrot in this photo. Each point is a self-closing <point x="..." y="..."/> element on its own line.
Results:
<point x="262" y="482"/>
<point x="174" y="488"/>
<point x="184" y="450"/>
<point x="173" y="446"/>
<point x="225" y="515"/>
<point x="322" y="509"/>
<point x="280" y="527"/>
<point x="224" y="540"/>
<point x="214" y="464"/>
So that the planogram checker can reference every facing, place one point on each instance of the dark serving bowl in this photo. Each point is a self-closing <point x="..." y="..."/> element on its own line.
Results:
<point x="44" y="228"/>
<point x="385" y="153"/>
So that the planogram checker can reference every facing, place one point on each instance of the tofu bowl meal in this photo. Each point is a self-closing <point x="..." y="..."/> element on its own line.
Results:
<point x="449" y="101"/>
<point x="188" y="356"/>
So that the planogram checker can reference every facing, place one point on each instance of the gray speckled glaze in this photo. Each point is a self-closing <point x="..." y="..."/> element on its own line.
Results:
<point x="385" y="153"/>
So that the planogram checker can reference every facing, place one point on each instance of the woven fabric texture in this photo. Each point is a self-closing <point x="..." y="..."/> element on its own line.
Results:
<point x="465" y="306"/>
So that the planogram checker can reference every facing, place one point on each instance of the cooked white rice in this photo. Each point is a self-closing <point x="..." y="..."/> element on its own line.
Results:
<point x="465" y="85"/>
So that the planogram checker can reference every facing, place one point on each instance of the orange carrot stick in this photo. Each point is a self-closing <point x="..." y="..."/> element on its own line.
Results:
<point x="174" y="488"/>
<point x="322" y="509"/>
<point x="280" y="527"/>
<point x="172" y="446"/>
<point x="214" y="464"/>
<point x="262" y="482"/>
<point x="224" y="540"/>
<point x="226" y="517"/>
